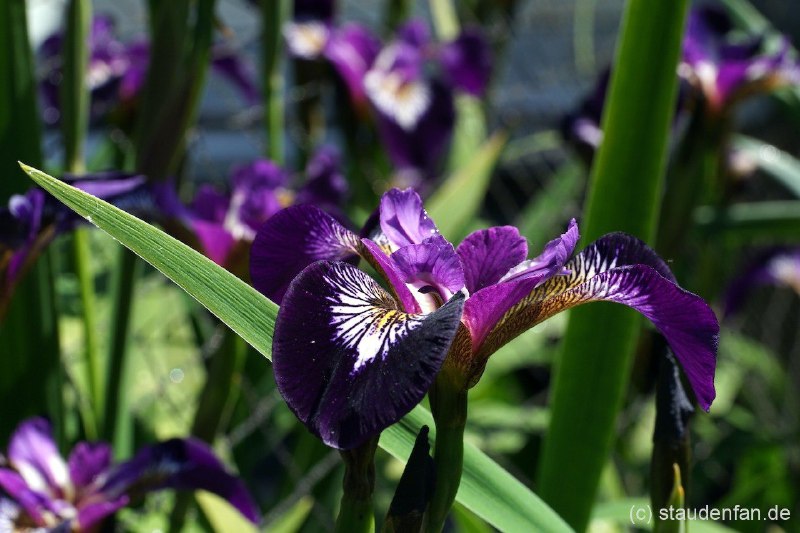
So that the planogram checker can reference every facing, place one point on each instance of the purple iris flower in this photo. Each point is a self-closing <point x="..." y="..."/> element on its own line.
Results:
<point x="778" y="266"/>
<point x="352" y="358"/>
<point x="725" y="69"/>
<point x="117" y="71"/>
<point x="226" y="224"/>
<point x="409" y="84"/>
<point x="38" y="488"/>
<point x="31" y="221"/>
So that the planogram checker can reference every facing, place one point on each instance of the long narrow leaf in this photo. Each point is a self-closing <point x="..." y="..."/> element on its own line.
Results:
<point x="456" y="203"/>
<point x="624" y="195"/>
<point x="775" y="162"/>
<point x="487" y="489"/>
<point x="772" y="222"/>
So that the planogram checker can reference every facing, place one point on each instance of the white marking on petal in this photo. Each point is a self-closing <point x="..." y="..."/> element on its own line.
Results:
<point x="360" y="325"/>
<point x="405" y="101"/>
<point x="306" y="39"/>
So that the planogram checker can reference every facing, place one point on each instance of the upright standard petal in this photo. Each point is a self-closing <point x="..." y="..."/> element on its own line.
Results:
<point x="352" y="50"/>
<point x="293" y="239"/>
<point x="33" y="453"/>
<point x="182" y="464"/>
<point x="622" y="269"/>
<point x="325" y="184"/>
<point x="468" y="62"/>
<point x="347" y="360"/>
<point x="488" y="254"/>
<point x="403" y="220"/>
<point x="87" y="462"/>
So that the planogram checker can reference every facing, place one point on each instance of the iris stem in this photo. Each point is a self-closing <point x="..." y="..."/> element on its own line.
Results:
<point x="274" y="14"/>
<point x="355" y="510"/>
<point x="449" y="407"/>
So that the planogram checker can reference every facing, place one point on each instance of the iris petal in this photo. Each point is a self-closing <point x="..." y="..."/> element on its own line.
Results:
<point x="182" y="464"/>
<point x="403" y="219"/>
<point x="488" y="254"/>
<point x="620" y="268"/>
<point x="33" y="453"/>
<point x="347" y="360"/>
<point x="468" y="62"/>
<point x="87" y="462"/>
<point x="293" y="239"/>
<point x="31" y="501"/>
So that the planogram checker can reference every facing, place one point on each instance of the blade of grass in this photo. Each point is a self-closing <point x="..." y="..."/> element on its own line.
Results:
<point x="775" y="162"/>
<point x="765" y="222"/>
<point x="624" y="192"/>
<point x="32" y="373"/>
<point x="486" y="489"/>
<point x="74" y="103"/>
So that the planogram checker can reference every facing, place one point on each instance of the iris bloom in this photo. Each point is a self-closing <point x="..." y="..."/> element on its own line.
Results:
<point x="725" y="68"/>
<point x="117" y="71"/>
<point x="226" y="224"/>
<point x="409" y="84"/>
<point x="352" y="358"/>
<point x="31" y="221"/>
<point x="38" y="489"/>
<point x="779" y="267"/>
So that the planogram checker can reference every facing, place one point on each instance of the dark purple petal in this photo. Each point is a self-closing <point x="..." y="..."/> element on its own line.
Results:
<point x="261" y="173"/>
<point x="254" y="198"/>
<point x="87" y="462"/>
<point x="293" y="239"/>
<point x="92" y="514"/>
<point x="352" y="49"/>
<point x="403" y="220"/>
<point x="488" y="254"/>
<point x="325" y="184"/>
<point x="468" y="62"/>
<point x="216" y="241"/>
<point x="33" y="453"/>
<point x="34" y="503"/>
<point x="396" y="85"/>
<point x="418" y="151"/>
<point x="621" y="269"/>
<point x="138" y="54"/>
<point x="347" y="360"/>
<point x="210" y="205"/>
<point x="182" y="464"/>
<point x="551" y="261"/>
<point x="322" y="10"/>
<point x="231" y="66"/>
<point x="414" y="32"/>
<point x="432" y="270"/>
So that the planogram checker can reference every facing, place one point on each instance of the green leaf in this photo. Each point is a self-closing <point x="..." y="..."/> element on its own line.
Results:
<point x="486" y="489"/>
<point x="222" y="517"/>
<point x="766" y="222"/>
<point x="624" y="195"/>
<point x="777" y="163"/>
<point x="456" y="203"/>
<point x="244" y="309"/>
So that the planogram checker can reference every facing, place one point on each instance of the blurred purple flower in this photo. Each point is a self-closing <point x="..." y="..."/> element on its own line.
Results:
<point x="724" y="68"/>
<point x="351" y="358"/>
<point x="226" y="224"/>
<point x="117" y="71"/>
<point x="31" y="221"/>
<point x="42" y="490"/>
<point x="409" y="84"/>
<point x="778" y="266"/>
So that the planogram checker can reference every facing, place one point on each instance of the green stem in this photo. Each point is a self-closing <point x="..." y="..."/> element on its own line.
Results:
<point x="449" y="407"/>
<point x="355" y="510"/>
<point x="117" y="417"/>
<point x="624" y="195"/>
<point x="445" y="19"/>
<point x="274" y="15"/>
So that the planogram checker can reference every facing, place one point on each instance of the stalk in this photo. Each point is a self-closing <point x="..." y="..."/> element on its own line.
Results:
<point x="355" y="510"/>
<point x="274" y="14"/>
<point x="449" y="408"/>
<point x="624" y="194"/>
<point x="74" y="100"/>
